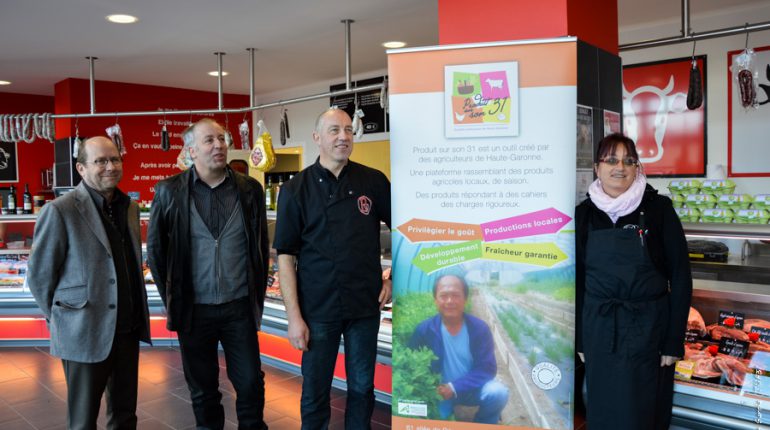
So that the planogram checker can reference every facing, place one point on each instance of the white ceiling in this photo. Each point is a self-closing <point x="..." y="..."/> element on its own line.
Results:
<point x="299" y="42"/>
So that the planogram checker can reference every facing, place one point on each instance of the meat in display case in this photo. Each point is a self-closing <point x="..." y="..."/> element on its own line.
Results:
<point x="723" y="381"/>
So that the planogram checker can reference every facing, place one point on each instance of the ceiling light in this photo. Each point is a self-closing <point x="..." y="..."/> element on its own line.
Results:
<point x="122" y="19"/>
<point x="5" y="82"/>
<point x="215" y="73"/>
<point x="394" y="44"/>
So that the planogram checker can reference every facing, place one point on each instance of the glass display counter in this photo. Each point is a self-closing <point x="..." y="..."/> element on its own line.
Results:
<point x="724" y="379"/>
<point x="22" y="324"/>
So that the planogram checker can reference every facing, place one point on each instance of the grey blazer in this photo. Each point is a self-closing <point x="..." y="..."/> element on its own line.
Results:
<point x="72" y="277"/>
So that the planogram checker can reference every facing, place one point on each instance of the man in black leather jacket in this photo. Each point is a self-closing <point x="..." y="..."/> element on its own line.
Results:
<point x="207" y="248"/>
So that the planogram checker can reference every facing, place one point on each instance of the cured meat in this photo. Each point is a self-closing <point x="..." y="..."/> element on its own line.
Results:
<point x="752" y="322"/>
<point x="164" y="143"/>
<point x="695" y="89"/>
<point x="706" y="368"/>
<point x="759" y="346"/>
<point x="243" y="129"/>
<point x="733" y="369"/>
<point x="717" y="332"/>
<point x="695" y="322"/>
<point x="695" y="354"/>
<point x="746" y="85"/>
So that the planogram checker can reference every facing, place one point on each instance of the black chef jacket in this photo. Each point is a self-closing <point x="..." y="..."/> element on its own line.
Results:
<point x="332" y="226"/>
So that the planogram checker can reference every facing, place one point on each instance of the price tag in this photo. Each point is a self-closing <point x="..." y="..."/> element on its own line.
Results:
<point x="731" y="319"/>
<point x="733" y="348"/>
<point x="691" y="336"/>
<point x="764" y="333"/>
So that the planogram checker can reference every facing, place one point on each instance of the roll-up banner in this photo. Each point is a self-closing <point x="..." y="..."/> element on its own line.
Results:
<point x="483" y="153"/>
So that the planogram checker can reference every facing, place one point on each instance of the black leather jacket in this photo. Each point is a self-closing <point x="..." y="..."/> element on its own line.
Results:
<point x="168" y="245"/>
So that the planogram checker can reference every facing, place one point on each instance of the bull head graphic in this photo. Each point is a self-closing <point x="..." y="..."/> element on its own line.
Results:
<point x="666" y="105"/>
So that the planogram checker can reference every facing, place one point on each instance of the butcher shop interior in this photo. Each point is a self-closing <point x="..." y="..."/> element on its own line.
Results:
<point x="688" y="80"/>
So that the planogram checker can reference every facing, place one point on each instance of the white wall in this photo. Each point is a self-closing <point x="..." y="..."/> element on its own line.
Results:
<point x="302" y="116"/>
<point x="716" y="79"/>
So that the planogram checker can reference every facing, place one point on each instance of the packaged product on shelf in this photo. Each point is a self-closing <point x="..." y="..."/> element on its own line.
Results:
<point x="761" y="201"/>
<point x="700" y="201"/>
<point x="688" y="214"/>
<point x="273" y="282"/>
<point x="752" y="216"/>
<point x="707" y="250"/>
<point x="684" y="186"/>
<point x="717" y="215"/>
<point x="678" y="200"/>
<point x="717" y="186"/>
<point x="734" y="201"/>
<point x="13" y="270"/>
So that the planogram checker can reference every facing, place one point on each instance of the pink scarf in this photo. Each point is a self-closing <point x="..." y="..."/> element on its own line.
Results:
<point x="624" y="204"/>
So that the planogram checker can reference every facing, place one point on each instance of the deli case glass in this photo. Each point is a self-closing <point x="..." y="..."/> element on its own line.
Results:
<point x="724" y="379"/>
<point x="22" y="324"/>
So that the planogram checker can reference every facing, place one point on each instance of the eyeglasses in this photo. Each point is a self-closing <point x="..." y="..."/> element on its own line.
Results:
<point x="102" y="162"/>
<point x="613" y="161"/>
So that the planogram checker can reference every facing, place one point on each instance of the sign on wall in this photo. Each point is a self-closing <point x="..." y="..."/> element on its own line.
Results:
<point x="670" y="139"/>
<point x="9" y="162"/>
<point x="375" y="118"/>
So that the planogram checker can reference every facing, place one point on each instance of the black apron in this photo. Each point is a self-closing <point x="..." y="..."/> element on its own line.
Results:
<point x="625" y="314"/>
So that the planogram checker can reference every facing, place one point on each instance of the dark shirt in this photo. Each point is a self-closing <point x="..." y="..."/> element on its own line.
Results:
<point x="332" y="225"/>
<point x="114" y="215"/>
<point x="215" y="205"/>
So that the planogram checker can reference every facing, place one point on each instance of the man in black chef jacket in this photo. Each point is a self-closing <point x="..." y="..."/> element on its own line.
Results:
<point x="328" y="241"/>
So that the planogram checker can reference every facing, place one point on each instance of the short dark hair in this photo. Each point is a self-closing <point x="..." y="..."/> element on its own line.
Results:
<point x="448" y="275"/>
<point x="608" y="144"/>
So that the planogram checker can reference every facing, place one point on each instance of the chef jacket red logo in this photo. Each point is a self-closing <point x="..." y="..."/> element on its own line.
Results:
<point x="364" y="205"/>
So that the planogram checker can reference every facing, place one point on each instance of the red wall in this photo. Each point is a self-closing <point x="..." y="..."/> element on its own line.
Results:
<point x="33" y="157"/>
<point x="595" y="21"/>
<point x="144" y="163"/>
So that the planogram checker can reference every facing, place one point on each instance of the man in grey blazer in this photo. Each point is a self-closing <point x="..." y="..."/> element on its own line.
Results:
<point x="85" y="274"/>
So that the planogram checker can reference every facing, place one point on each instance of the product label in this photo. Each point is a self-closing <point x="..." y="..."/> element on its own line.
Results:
<point x="731" y="319"/>
<point x="691" y="336"/>
<point x="733" y="347"/>
<point x="764" y="333"/>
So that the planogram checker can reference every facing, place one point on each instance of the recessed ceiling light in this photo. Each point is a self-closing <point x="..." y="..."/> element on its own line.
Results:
<point x="5" y="82"/>
<point x="122" y="19"/>
<point x="215" y="73"/>
<point x="394" y="44"/>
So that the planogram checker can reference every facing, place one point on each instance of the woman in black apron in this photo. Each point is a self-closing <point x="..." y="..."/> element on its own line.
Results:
<point x="633" y="293"/>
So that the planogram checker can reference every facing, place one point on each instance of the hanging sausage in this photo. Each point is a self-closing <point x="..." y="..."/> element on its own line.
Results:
<point x="695" y="89"/>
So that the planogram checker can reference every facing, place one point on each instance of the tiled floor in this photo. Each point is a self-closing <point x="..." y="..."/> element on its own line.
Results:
<point x="33" y="394"/>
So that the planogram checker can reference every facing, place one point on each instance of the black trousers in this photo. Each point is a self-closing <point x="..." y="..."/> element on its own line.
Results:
<point x="233" y="325"/>
<point x="117" y="375"/>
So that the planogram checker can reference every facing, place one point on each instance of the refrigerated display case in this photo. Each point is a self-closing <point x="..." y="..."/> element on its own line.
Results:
<point x="22" y="324"/>
<point x="724" y="380"/>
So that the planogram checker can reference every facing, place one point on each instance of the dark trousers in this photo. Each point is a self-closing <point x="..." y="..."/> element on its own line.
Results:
<point x="233" y="325"/>
<point x="117" y="375"/>
<point x="318" y="371"/>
